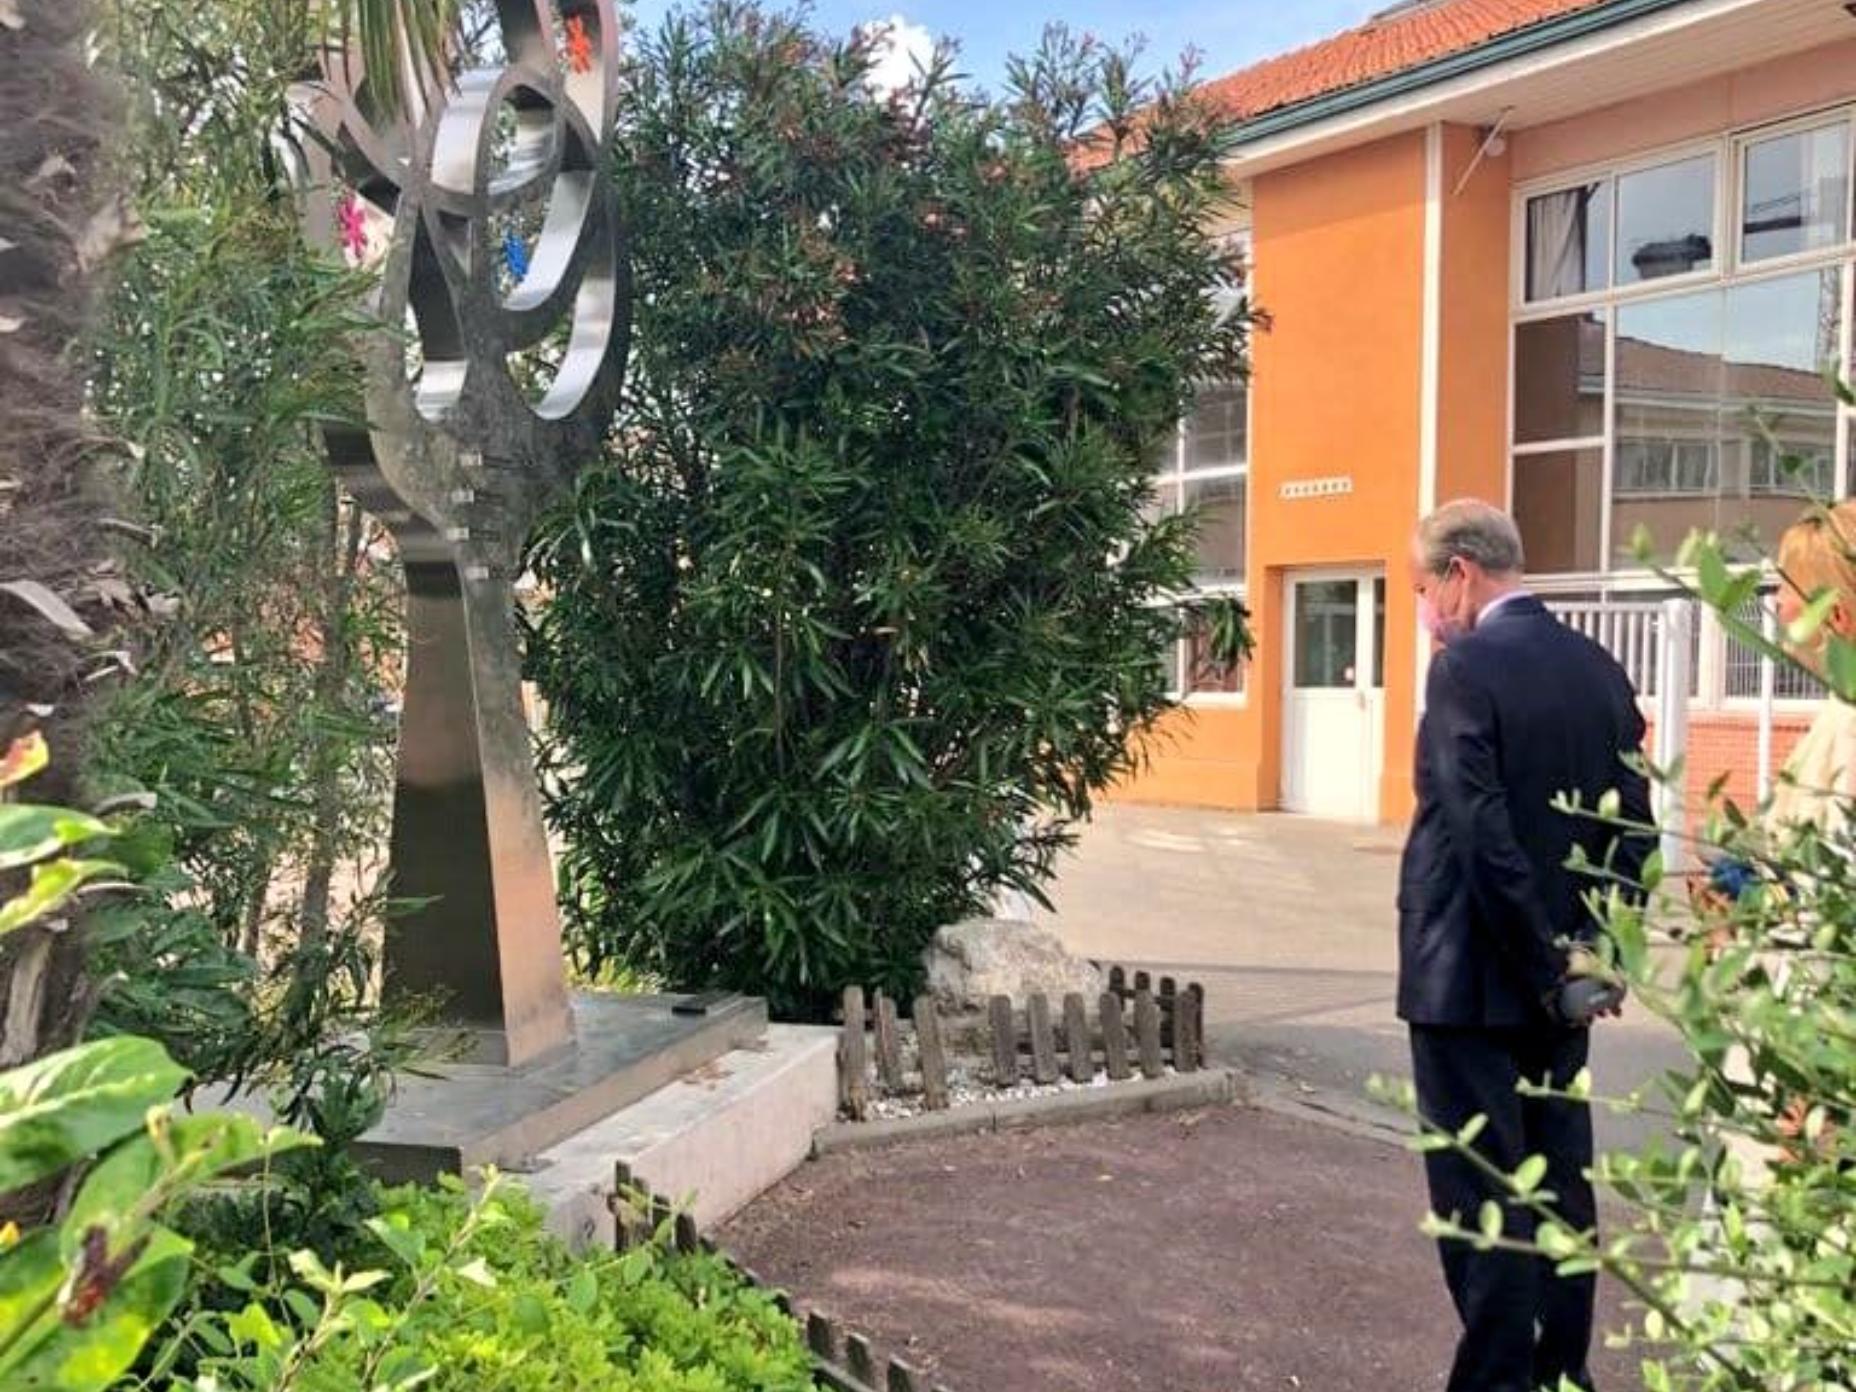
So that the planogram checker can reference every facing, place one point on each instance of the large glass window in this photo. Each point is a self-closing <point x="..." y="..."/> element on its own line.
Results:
<point x="1668" y="421"/>
<point x="1206" y="467"/>
<point x="1217" y="431"/>
<point x="1666" y="220"/>
<point x="1202" y="674"/>
<point x="1638" y="226"/>
<point x="1795" y="192"/>
<point x="1221" y="505"/>
<point x="1190" y="671"/>
<point x="1724" y="419"/>
<point x="1704" y="404"/>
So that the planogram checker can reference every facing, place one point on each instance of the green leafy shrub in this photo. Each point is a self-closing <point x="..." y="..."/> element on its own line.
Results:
<point x="258" y="727"/>
<point x="81" y="1296"/>
<point x="863" y="609"/>
<point x="442" y="1288"/>
<point x="481" y="1299"/>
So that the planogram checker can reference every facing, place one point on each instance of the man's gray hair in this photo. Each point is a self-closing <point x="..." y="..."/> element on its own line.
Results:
<point x="1474" y="531"/>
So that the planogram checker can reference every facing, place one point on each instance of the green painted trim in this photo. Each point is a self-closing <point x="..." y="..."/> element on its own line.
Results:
<point x="1516" y="44"/>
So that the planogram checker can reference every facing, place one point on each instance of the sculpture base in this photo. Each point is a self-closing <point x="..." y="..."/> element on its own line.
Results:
<point x="474" y="1114"/>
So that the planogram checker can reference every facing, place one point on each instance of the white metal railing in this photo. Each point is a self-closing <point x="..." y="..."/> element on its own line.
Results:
<point x="1724" y="674"/>
<point x="1655" y="643"/>
<point x="1674" y="625"/>
<point x="1677" y="644"/>
<point x="1631" y="631"/>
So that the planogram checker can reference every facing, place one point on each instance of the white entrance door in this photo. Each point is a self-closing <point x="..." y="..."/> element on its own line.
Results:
<point x="1334" y="697"/>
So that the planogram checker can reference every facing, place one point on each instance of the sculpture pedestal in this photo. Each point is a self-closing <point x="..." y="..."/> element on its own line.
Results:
<point x="481" y="936"/>
<point x="623" y="1048"/>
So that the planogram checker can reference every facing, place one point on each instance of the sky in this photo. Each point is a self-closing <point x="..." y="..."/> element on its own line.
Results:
<point x="1230" y="33"/>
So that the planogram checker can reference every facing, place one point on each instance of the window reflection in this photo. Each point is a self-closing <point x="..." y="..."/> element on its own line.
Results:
<point x="1327" y="629"/>
<point x="1715" y="392"/>
<point x="1216" y="430"/>
<point x="1666" y="220"/>
<point x="1559" y="504"/>
<point x="1795" y="193"/>
<point x="1220" y="505"/>
<point x="1559" y="379"/>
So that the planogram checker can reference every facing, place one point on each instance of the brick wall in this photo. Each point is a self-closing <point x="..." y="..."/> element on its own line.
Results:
<point x="1727" y="742"/>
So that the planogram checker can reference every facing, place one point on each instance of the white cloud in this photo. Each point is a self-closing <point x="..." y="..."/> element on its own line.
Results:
<point x="902" y="51"/>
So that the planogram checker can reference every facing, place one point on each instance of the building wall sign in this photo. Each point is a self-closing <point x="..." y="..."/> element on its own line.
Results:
<point x="1335" y="486"/>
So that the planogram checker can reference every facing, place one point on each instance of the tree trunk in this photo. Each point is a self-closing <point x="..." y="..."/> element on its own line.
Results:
<point x="331" y="677"/>
<point x="59" y="218"/>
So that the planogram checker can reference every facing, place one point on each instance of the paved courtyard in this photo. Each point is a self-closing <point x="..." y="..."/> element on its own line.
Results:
<point x="1289" y="923"/>
<point x="1231" y="1250"/>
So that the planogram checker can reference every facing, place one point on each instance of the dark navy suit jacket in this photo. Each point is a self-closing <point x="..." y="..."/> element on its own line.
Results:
<point x="1517" y="712"/>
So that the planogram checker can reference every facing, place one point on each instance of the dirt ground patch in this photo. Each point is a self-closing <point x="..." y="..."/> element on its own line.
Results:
<point x="1229" y="1250"/>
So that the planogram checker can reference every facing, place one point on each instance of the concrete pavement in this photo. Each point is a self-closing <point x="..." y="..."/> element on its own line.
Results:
<point x="1290" y="925"/>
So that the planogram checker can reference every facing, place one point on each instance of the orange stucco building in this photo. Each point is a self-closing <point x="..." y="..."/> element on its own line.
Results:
<point x="1589" y="260"/>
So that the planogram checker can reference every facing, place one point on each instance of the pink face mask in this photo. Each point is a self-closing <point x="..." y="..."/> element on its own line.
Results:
<point x="1442" y="629"/>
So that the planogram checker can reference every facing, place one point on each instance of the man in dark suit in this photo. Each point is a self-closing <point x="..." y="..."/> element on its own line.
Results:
<point x="1519" y="710"/>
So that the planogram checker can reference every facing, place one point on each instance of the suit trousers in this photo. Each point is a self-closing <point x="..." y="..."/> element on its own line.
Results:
<point x="1524" y="1326"/>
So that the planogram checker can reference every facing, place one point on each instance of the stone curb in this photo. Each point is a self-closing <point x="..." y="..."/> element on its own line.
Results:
<point x="1211" y="1087"/>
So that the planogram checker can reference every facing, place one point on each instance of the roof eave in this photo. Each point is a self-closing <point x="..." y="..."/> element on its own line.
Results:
<point x="1507" y="47"/>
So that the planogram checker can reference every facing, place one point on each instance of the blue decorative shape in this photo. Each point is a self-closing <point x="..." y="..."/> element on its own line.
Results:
<point x="515" y="255"/>
<point x="1732" y="878"/>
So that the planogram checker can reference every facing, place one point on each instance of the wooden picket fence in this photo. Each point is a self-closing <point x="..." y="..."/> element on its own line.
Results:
<point x="1165" y="1027"/>
<point x="843" y="1360"/>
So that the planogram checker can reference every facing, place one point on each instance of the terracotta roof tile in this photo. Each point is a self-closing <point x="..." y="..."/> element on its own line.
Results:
<point x="1388" y="44"/>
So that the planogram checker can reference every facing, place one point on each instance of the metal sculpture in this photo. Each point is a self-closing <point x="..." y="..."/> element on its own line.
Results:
<point x="504" y="383"/>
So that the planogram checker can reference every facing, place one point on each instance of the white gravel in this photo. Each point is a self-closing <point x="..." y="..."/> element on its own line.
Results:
<point x="968" y="1087"/>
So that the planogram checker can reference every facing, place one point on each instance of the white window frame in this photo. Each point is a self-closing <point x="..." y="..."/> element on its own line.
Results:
<point x="1171" y="485"/>
<point x="1736" y="158"/>
<point x="1238" y="238"/>
<point x="1612" y="171"/>
<point x="1728" y="148"/>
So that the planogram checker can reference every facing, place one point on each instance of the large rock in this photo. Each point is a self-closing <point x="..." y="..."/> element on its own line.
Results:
<point x="972" y="961"/>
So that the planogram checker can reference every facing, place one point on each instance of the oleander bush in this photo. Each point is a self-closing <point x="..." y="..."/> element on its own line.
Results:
<point x="862" y="611"/>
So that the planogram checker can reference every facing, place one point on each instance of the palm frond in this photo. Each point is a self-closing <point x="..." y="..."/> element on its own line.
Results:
<point x="401" y="41"/>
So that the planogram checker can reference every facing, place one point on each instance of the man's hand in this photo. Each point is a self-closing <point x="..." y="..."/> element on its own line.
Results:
<point x="1583" y="999"/>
